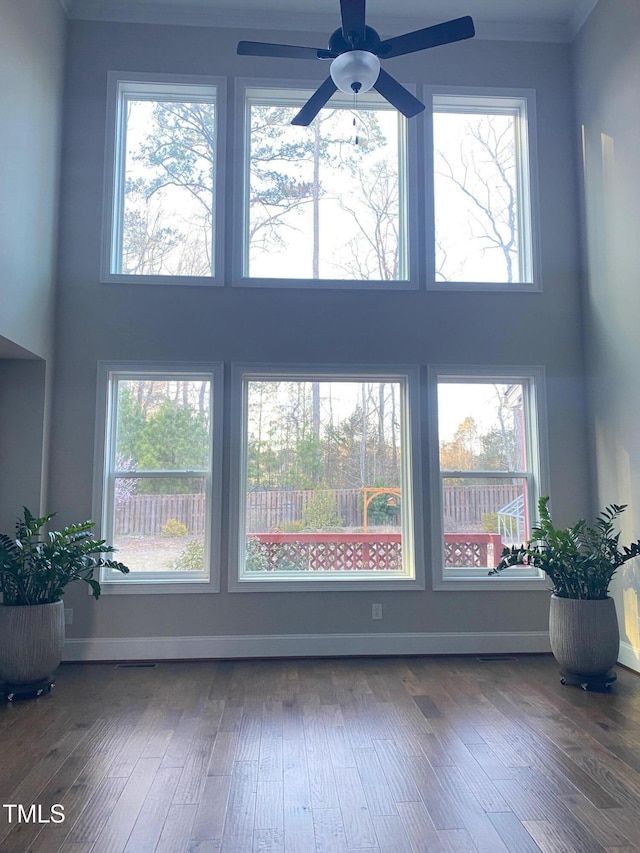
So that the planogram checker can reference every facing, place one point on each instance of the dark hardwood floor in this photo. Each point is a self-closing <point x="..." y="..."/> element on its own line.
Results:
<point x="384" y="755"/>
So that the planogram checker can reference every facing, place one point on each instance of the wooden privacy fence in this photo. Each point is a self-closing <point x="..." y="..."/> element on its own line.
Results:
<point x="276" y="509"/>
<point x="464" y="506"/>
<point x="145" y="515"/>
<point x="348" y="552"/>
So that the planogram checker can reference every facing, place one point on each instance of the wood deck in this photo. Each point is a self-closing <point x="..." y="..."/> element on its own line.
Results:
<point x="385" y="755"/>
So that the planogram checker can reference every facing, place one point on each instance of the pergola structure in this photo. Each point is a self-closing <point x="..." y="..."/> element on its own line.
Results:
<point x="371" y="492"/>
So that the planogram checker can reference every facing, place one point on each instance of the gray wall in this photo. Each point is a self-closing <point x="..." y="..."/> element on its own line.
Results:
<point x="198" y="323"/>
<point x="31" y="70"/>
<point x="32" y="43"/>
<point x="22" y="437"/>
<point x="607" y="69"/>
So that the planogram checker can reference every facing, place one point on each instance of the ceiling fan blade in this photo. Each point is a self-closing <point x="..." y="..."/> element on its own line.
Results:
<point x="315" y="103"/>
<point x="287" y="51"/>
<point x="352" y="12"/>
<point x="397" y="95"/>
<point x="456" y="30"/>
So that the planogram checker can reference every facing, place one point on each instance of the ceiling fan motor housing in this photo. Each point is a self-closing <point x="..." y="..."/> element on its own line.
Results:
<point x="355" y="71"/>
<point x="338" y="43"/>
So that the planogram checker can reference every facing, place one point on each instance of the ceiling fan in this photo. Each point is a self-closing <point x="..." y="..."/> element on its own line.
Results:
<point x="356" y="50"/>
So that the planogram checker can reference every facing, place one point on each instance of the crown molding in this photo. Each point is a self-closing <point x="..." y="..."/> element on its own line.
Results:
<point x="176" y="13"/>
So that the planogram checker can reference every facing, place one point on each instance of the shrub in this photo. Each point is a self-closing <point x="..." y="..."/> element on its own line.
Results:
<point x="256" y="559"/>
<point x="173" y="528"/>
<point x="191" y="559"/>
<point x="321" y="512"/>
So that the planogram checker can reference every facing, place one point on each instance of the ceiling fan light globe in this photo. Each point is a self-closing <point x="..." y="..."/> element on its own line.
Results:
<point x="355" y="71"/>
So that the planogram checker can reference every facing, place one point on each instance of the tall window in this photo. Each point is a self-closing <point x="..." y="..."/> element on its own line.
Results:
<point x="157" y="484"/>
<point x="327" y="202"/>
<point x="482" y="190"/>
<point x="164" y="176"/>
<point x="489" y="462"/>
<point x="326" y="482"/>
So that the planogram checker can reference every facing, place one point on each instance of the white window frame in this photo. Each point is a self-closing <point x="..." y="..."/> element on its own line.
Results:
<point x="154" y="87"/>
<point x="281" y="91"/>
<point x="104" y="472"/>
<point x="480" y="99"/>
<point x="413" y="532"/>
<point x="536" y="474"/>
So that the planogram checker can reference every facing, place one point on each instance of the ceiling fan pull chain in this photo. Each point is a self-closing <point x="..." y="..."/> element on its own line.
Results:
<point x="355" y="108"/>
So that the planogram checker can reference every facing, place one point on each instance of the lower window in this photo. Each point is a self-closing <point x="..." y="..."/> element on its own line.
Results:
<point x="157" y="485"/>
<point x="326" y="482"/>
<point x="489" y="462"/>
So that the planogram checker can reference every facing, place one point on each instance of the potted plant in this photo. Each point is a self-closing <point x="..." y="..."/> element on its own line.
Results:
<point x="580" y="561"/>
<point x="35" y="570"/>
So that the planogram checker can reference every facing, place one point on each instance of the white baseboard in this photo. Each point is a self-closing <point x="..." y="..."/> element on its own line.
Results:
<point x="628" y="657"/>
<point x="303" y="645"/>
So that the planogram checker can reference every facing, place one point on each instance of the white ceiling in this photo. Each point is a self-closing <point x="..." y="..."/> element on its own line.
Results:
<point x="546" y="20"/>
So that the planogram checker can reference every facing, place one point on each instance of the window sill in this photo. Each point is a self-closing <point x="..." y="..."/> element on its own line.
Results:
<point x="491" y="584"/>
<point x="325" y="284"/>
<point x="330" y="585"/>
<point x="179" y="280"/>
<point x="143" y="587"/>
<point x="485" y="287"/>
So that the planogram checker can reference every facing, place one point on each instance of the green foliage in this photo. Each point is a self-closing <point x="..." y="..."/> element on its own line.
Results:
<point x="191" y="559"/>
<point x="296" y="526"/>
<point x="580" y="560"/>
<point x="321" y="512"/>
<point x="172" y="528"/>
<point x="380" y="511"/>
<point x="173" y="436"/>
<point x="257" y="558"/>
<point x="36" y="567"/>
<point x="165" y="436"/>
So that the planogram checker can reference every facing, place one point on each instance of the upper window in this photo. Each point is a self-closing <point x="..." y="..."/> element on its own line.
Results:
<point x="162" y="204"/>
<point x="489" y="462"/>
<point x="482" y="190"/>
<point x="157" y="493"/>
<point x="326" y="492"/>
<point x="324" y="203"/>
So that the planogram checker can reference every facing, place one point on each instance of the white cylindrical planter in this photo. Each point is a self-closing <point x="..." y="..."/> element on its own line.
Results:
<point x="584" y="635"/>
<point x="31" y="641"/>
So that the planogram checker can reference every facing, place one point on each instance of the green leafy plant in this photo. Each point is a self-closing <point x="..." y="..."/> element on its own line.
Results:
<point x="37" y="567"/>
<point x="172" y="528"/>
<point x="321" y="512"/>
<point x="580" y="560"/>
<point x="191" y="559"/>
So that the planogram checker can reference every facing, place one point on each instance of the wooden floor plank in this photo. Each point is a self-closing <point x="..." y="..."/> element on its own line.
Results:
<point x="240" y="814"/>
<point x="358" y="826"/>
<point x="115" y="832"/>
<point x="176" y="829"/>
<point x="328" y="830"/>
<point x="211" y="811"/>
<point x="391" y="834"/>
<point x="298" y="817"/>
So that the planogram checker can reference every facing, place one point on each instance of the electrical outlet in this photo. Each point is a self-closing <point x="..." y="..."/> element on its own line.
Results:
<point x="68" y="616"/>
<point x="376" y="611"/>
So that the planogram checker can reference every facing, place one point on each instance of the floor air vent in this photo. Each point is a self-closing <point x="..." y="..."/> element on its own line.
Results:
<point x="136" y="665"/>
